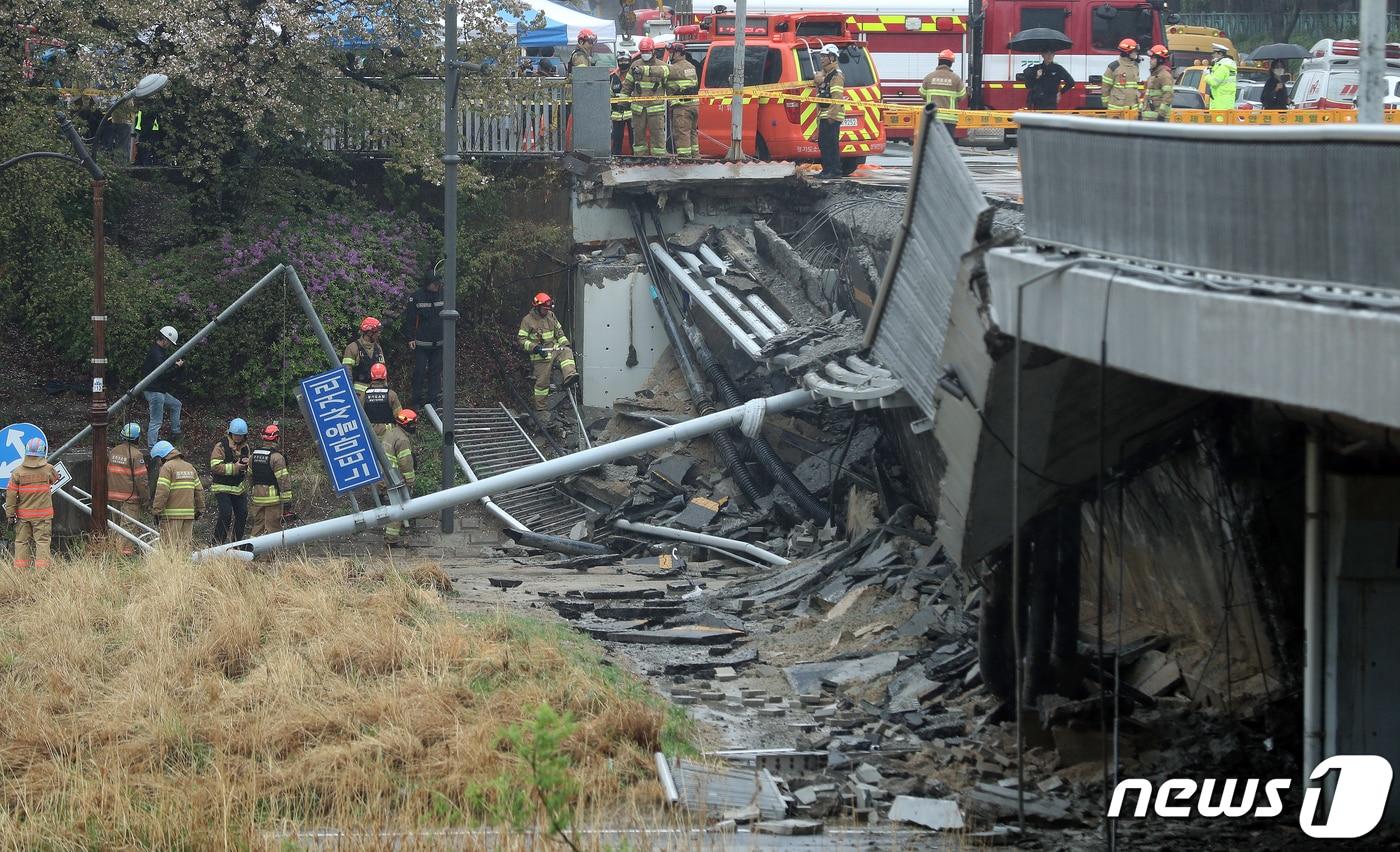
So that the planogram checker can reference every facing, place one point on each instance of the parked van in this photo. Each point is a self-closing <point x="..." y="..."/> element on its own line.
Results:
<point x="782" y="49"/>
<point x="1330" y="78"/>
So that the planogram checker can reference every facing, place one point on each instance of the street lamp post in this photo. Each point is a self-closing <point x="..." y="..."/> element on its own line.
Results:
<point x="97" y="410"/>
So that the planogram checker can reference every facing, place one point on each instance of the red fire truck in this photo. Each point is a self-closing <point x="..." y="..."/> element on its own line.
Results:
<point x="905" y="36"/>
<point x="781" y="50"/>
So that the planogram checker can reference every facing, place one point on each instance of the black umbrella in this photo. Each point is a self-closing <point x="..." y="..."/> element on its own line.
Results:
<point x="1279" y="51"/>
<point x="1040" y="40"/>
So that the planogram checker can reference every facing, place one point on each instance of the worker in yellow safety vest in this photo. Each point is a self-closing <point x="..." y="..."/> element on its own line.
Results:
<point x="1157" y="96"/>
<point x="1222" y="81"/>
<point x="683" y="85"/>
<point x="1122" y="89"/>
<point x="543" y="339"/>
<point x="944" y="88"/>
<point x="647" y="79"/>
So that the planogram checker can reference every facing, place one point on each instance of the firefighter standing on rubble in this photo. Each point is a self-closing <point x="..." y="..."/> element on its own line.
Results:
<point x="29" y="505"/>
<point x="543" y="339"/>
<point x="272" y="486"/>
<point x="128" y="487"/>
<point x="683" y="85"/>
<point x="1122" y="89"/>
<point x="944" y="88"/>
<point x="179" y="499"/>
<point x="829" y="84"/>
<point x="1157" y="93"/>
<point x="363" y="353"/>
<point x="647" y="79"/>
<point x="398" y="450"/>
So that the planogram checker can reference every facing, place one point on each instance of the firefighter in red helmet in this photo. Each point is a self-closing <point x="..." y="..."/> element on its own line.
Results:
<point x="647" y="78"/>
<point x="543" y="339"/>
<point x="363" y="353"/>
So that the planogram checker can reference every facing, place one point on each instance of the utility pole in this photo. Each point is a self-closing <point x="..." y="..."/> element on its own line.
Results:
<point x="1370" y="101"/>
<point x="736" y="79"/>
<point x="450" y="159"/>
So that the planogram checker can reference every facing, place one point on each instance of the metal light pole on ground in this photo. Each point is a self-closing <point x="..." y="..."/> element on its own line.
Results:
<point x="97" y="409"/>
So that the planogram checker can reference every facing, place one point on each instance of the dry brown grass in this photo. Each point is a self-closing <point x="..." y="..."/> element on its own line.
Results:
<point x="168" y="705"/>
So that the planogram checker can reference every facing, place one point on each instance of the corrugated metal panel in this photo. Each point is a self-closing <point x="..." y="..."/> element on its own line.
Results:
<point x="911" y="314"/>
<point x="1300" y="204"/>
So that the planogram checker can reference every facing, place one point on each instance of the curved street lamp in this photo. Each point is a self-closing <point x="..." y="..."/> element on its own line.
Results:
<point x="97" y="412"/>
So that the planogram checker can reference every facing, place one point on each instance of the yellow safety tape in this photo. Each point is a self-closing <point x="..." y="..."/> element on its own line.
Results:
<point x="1290" y="117"/>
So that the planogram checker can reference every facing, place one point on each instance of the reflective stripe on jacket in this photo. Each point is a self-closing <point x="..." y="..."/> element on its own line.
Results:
<point x="1221" y="82"/>
<point x="223" y="465"/>
<point x="398" y="449"/>
<point x="1121" y="89"/>
<point x="126" y="474"/>
<point x="275" y="464"/>
<point x="683" y="81"/>
<point x="1157" y="96"/>
<point x="832" y="86"/>
<point x="943" y="89"/>
<point x="541" y="331"/>
<point x="647" y="79"/>
<point x="28" y="496"/>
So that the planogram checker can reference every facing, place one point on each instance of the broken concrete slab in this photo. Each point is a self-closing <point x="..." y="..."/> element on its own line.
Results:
<point x="1155" y="673"/>
<point x="618" y="594"/>
<point x="808" y="678"/>
<point x="867" y="773"/>
<point x="672" y="470"/>
<point x="789" y="827"/>
<point x="693" y="635"/>
<point x="935" y="814"/>
<point x="697" y="513"/>
<point x="849" y="600"/>
<point x="909" y="689"/>
<point x="1002" y="801"/>
<point x="714" y="790"/>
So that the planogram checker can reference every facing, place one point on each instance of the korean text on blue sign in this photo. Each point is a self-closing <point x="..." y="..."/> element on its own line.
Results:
<point x="341" y="430"/>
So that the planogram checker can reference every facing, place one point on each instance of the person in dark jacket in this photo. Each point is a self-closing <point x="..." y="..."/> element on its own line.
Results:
<point x="159" y="399"/>
<point x="1045" y="83"/>
<point x="1275" y="95"/>
<point x="424" y="326"/>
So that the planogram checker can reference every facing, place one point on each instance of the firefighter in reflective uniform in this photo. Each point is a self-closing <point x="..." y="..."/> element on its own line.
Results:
<point x="128" y="487"/>
<point x="179" y="499"/>
<point x="380" y="402"/>
<point x="944" y="88"/>
<point x="228" y="467"/>
<point x="1121" y="89"/>
<point x="582" y="57"/>
<point x="1157" y="94"/>
<point x="398" y="449"/>
<point x="29" y="505"/>
<point x="683" y="84"/>
<point x="647" y="79"/>
<point x="543" y="339"/>
<point x="272" y="486"/>
<point x="363" y="353"/>
<point x="621" y="112"/>
<point x="830" y="84"/>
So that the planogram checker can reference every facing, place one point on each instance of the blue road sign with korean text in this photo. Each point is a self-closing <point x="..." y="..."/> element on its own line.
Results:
<point x="341" y="430"/>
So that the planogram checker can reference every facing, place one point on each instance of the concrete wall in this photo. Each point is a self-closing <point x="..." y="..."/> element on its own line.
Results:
<point x="615" y="309"/>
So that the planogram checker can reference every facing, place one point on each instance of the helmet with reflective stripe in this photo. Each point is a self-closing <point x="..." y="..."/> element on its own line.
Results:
<point x="1127" y="45"/>
<point x="407" y="417"/>
<point x="378" y="373"/>
<point x="947" y="55"/>
<point x="369" y="324"/>
<point x="1160" y="51"/>
<point x="131" y="431"/>
<point x="270" y="432"/>
<point x="646" y="45"/>
<point x="542" y="300"/>
<point x="35" y="447"/>
<point x="238" y="426"/>
<point x="586" y="34"/>
<point x="162" y="449"/>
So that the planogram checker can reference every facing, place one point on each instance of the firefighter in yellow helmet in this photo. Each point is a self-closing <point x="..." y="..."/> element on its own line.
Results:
<point x="29" y="505"/>
<point x="647" y="78"/>
<point x="543" y="339"/>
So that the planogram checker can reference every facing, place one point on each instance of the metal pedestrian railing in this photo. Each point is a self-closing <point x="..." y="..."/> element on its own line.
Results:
<point x="534" y="122"/>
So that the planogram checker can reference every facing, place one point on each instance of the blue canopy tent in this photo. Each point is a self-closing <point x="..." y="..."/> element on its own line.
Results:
<point x="561" y="25"/>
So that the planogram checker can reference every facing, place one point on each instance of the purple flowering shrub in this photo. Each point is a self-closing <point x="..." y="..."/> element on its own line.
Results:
<point x="365" y="264"/>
